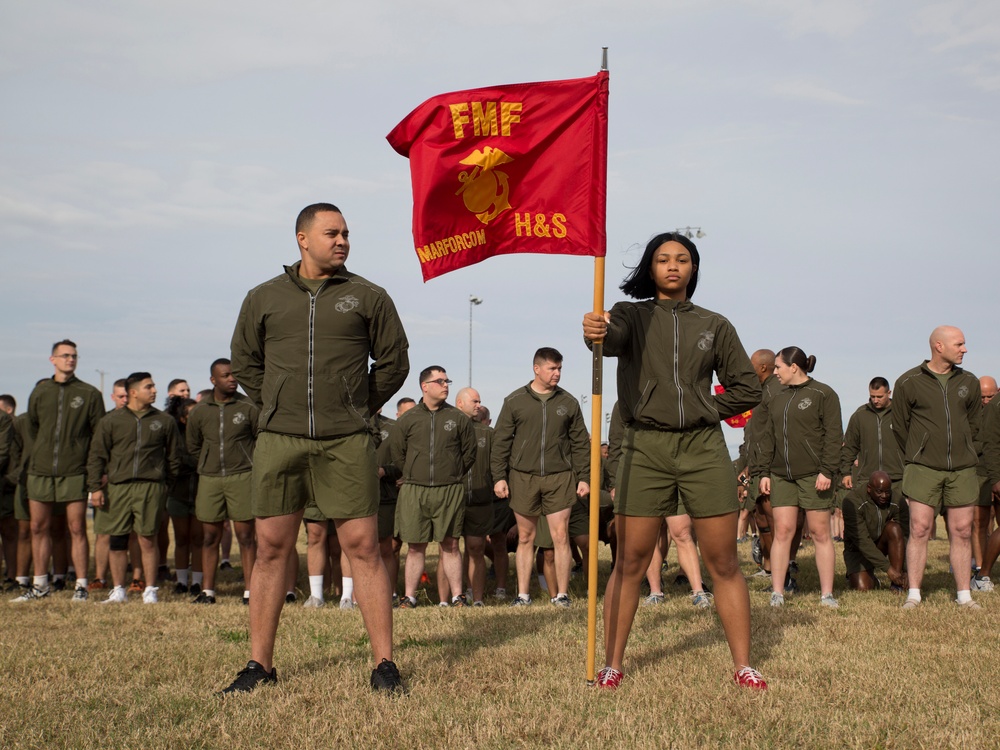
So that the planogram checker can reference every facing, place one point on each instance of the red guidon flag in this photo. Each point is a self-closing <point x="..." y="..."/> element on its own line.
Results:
<point x="508" y="169"/>
<point x="740" y="420"/>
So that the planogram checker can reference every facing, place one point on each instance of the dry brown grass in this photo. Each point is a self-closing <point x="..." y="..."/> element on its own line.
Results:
<point x="866" y="676"/>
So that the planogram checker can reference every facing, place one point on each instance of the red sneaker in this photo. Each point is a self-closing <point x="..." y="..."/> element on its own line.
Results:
<point x="98" y="584"/>
<point x="749" y="677"/>
<point x="137" y="586"/>
<point x="609" y="678"/>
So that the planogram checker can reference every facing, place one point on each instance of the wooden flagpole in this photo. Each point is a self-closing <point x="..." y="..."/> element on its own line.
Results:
<point x="595" y="458"/>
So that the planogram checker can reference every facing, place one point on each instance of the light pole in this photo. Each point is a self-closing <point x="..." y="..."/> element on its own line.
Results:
<point x="473" y="301"/>
<point x="103" y="373"/>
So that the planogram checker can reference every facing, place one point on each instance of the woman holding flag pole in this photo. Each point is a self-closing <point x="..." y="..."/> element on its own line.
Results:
<point x="668" y="350"/>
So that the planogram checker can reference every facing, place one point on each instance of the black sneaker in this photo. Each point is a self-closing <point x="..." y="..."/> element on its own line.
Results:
<point x="180" y="588"/>
<point x="386" y="677"/>
<point x="9" y="584"/>
<point x="204" y="598"/>
<point x="246" y="600"/>
<point x="58" y="584"/>
<point x="225" y="565"/>
<point x="194" y="589"/>
<point x="682" y="580"/>
<point x="249" y="678"/>
<point x="791" y="585"/>
<point x="290" y="597"/>
<point x="793" y="567"/>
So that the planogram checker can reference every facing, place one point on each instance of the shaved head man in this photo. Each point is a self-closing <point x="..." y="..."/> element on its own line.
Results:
<point x="875" y="526"/>
<point x="988" y="388"/>
<point x="937" y="411"/>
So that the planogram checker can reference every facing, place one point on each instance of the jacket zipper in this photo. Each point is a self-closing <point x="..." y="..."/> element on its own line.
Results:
<point x="309" y="377"/>
<point x="544" y="422"/>
<point x="222" y="438"/>
<point x="784" y="436"/>
<point x="947" y="418"/>
<point x="431" y="457"/>
<point x="677" y="376"/>
<point x="59" y="419"/>
<point x="138" y="445"/>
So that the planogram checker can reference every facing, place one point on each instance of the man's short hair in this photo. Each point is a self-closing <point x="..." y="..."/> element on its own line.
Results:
<point x="216" y="363"/>
<point x="64" y="342"/>
<point x="426" y="373"/>
<point x="404" y="400"/>
<point x="205" y="393"/>
<point x="307" y="214"/>
<point x="877" y="383"/>
<point x="135" y="378"/>
<point x="120" y="383"/>
<point x="483" y="415"/>
<point x="9" y="401"/>
<point x="547" y="354"/>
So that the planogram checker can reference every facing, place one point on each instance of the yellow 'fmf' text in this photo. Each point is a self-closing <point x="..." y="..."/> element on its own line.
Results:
<point x="486" y="118"/>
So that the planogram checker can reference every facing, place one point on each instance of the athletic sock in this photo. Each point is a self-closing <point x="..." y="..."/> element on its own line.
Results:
<point x="316" y="587"/>
<point x="23" y="580"/>
<point x="209" y="592"/>
<point x="149" y="588"/>
<point x="41" y="582"/>
<point x="81" y="583"/>
<point x="196" y="578"/>
<point x="246" y="593"/>
<point x="913" y="594"/>
<point x="964" y="596"/>
<point x="182" y="576"/>
<point x="224" y="561"/>
<point x="348" y="592"/>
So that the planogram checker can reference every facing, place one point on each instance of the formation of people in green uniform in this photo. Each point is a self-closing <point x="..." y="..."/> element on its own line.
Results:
<point x="320" y="351"/>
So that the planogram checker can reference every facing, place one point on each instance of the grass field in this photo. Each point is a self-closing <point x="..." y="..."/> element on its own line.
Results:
<point x="868" y="675"/>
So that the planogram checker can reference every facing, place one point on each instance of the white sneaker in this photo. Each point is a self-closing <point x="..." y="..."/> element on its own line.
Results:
<point x="346" y="603"/>
<point x="313" y="602"/>
<point x="981" y="583"/>
<point x="500" y="594"/>
<point x="777" y="600"/>
<point x="149" y="596"/>
<point x="829" y="601"/>
<point x="117" y="596"/>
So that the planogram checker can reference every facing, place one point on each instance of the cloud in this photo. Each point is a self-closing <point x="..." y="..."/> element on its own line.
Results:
<point x="968" y="33"/>
<point x="834" y="19"/>
<point x="801" y="89"/>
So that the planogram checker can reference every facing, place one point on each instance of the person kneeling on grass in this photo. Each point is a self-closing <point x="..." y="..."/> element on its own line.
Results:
<point x="876" y="526"/>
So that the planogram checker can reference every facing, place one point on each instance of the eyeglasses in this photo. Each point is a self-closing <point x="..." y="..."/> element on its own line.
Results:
<point x="440" y="381"/>
<point x="66" y="356"/>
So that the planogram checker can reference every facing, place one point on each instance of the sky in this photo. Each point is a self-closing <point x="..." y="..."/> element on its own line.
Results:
<point x="841" y="158"/>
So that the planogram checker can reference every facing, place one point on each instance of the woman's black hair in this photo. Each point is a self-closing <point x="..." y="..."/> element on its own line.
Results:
<point x="177" y="408"/>
<point x="792" y="355"/>
<point x="639" y="284"/>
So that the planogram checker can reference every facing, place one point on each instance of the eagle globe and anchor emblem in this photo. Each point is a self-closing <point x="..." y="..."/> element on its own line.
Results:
<point x="485" y="189"/>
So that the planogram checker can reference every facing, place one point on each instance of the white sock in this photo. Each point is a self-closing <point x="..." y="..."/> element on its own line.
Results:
<point x="316" y="587"/>
<point x="81" y="583"/>
<point x="964" y="596"/>
<point x="41" y="582"/>
<point x="24" y="580"/>
<point x="913" y="594"/>
<point x="196" y="578"/>
<point x="149" y="588"/>
<point x="209" y="592"/>
<point x="182" y="576"/>
<point x="348" y="592"/>
<point x="246" y="593"/>
<point x="224" y="561"/>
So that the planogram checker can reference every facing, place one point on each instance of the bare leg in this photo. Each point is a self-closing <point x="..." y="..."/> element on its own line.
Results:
<point x="102" y="544"/>
<point x="246" y="538"/>
<point x="450" y="561"/>
<point x="389" y="553"/>
<point x="501" y="559"/>
<point x="921" y="523"/>
<point x="150" y="556"/>
<point x="276" y="538"/>
<point x="636" y="537"/>
<point x="819" y="528"/>
<point x="41" y="538"/>
<point x="656" y="561"/>
<point x="24" y="544"/>
<point x="475" y="547"/>
<point x="980" y="529"/>
<point x="359" y="540"/>
<point x="414" y="567"/>
<point x="559" y="529"/>
<point x="210" y="553"/>
<point x="526" y="528"/>
<point x="960" y="536"/>
<point x="182" y="542"/>
<point x="785" y="521"/>
<point x="717" y="539"/>
<point x="687" y="552"/>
